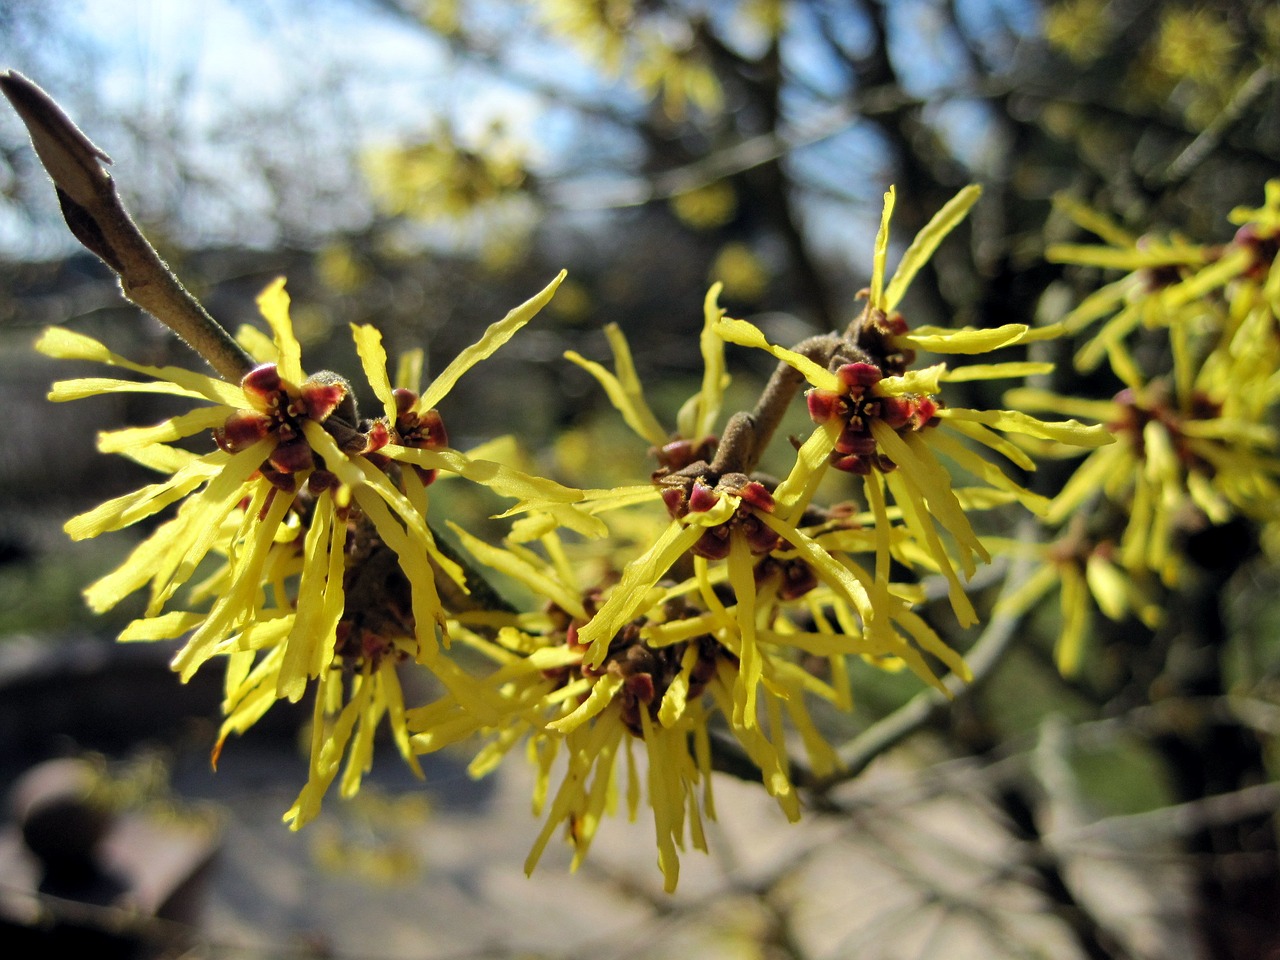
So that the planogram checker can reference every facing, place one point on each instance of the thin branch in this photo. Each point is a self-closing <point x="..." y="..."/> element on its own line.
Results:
<point x="1178" y="820"/>
<point x="778" y="393"/>
<point x="752" y="152"/>
<point x="98" y="219"/>
<point x="1199" y="149"/>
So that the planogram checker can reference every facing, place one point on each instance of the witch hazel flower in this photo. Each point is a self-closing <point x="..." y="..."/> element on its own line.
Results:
<point x="282" y="440"/>
<point x="1175" y="459"/>
<point x="857" y="409"/>
<point x="633" y="730"/>
<point x="324" y="566"/>
<point x="278" y="410"/>
<point x="1085" y="570"/>
<point x="411" y="434"/>
<point x="745" y="543"/>
<point x="739" y="530"/>
<point x="697" y="496"/>
<point x="1217" y="303"/>
<point x="879" y="419"/>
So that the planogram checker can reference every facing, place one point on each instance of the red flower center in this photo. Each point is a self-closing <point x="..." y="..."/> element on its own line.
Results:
<point x="856" y="407"/>
<point x="278" y="410"/>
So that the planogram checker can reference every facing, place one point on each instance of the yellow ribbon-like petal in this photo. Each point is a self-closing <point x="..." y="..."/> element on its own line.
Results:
<point x="747" y="335"/>
<point x="494" y="337"/>
<point x="373" y="358"/>
<point x="1064" y="431"/>
<point x="505" y="561"/>
<point x="175" y="428"/>
<point x="66" y="345"/>
<point x="881" y="253"/>
<point x="995" y="371"/>
<point x="697" y="418"/>
<point x="501" y="479"/>
<point x="966" y="340"/>
<point x="926" y="242"/>
<point x="638" y="577"/>
<point x="273" y="303"/>
<point x="623" y="388"/>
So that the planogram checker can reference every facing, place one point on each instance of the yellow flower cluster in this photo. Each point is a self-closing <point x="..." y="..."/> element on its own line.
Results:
<point x="1196" y="443"/>
<point x="302" y="535"/>
<point x="309" y="565"/>
<point x="746" y="586"/>
<point x="442" y="179"/>
<point x="625" y="39"/>
<point x="1193" y="60"/>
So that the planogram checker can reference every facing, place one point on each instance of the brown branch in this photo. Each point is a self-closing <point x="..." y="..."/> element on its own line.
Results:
<point x="98" y="219"/>
<point x="747" y="435"/>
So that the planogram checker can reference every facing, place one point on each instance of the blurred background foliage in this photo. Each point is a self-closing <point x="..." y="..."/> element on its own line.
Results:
<point x="424" y="164"/>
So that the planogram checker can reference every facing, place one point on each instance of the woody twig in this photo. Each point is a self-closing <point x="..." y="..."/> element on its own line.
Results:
<point x="98" y="219"/>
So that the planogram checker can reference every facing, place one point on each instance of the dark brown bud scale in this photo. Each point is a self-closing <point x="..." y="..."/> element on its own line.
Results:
<point x="319" y="400"/>
<point x="262" y="381"/>
<point x="241" y="430"/>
